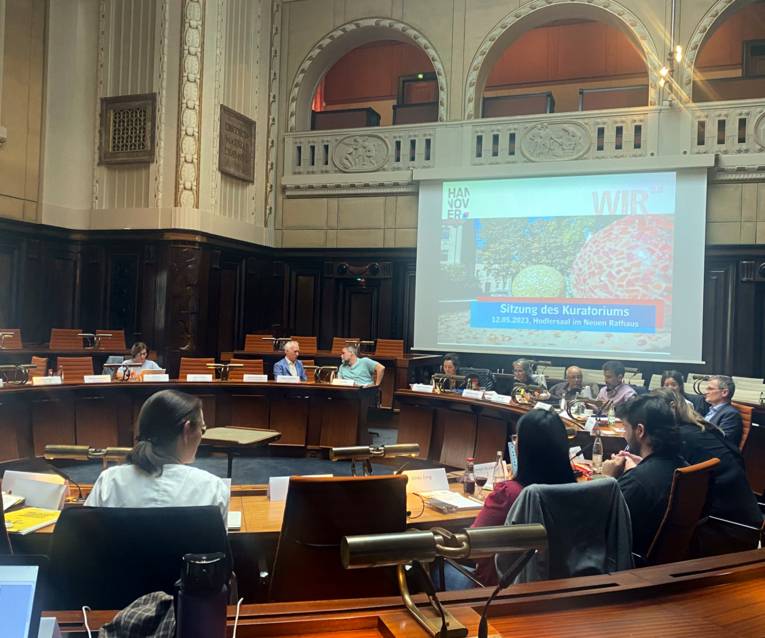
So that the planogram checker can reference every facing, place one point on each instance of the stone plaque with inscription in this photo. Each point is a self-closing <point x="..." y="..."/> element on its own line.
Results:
<point x="236" y="156"/>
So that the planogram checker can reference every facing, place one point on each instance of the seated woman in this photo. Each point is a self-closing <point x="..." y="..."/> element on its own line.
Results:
<point x="157" y="474"/>
<point x="524" y="373"/>
<point x="138" y="354"/>
<point x="730" y="496"/>
<point x="542" y="449"/>
<point x="450" y="364"/>
<point x="673" y="379"/>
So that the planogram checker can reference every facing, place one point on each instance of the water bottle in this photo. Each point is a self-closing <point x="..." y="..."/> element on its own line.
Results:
<point x="500" y="473"/>
<point x="202" y="596"/>
<point x="562" y="404"/>
<point x="597" y="454"/>
<point x="611" y="415"/>
<point x="468" y="479"/>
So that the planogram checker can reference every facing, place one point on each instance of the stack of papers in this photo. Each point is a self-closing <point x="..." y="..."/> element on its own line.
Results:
<point x="29" y="519"/>
<point x="452" y="500"/>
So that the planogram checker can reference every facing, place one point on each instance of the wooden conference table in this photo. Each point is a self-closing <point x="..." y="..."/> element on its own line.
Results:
<point x="399" y="371"/>
<point x="704" y="598"/>
<point x="103" y="415"/>
<point x="450" y="428"/>
<point x="259" y="534"/>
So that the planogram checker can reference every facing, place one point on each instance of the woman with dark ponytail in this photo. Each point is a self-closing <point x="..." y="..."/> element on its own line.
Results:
<point x="157" y="474"/>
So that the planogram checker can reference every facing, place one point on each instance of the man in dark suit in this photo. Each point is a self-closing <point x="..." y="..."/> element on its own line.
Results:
<point x="718" y="395"/>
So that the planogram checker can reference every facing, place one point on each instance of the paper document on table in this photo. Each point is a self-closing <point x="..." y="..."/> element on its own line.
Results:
<point x="453" y="499"/>
<point x="234" y="520"/>
<point x="9" y="500"/>
<point x="30" y="519"/>
<point x="40" y="490"/>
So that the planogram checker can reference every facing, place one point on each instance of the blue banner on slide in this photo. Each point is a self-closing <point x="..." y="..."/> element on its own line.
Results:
<point x="558" y="315"/>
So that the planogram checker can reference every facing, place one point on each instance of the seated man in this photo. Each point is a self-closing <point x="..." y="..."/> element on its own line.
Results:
<point x="721" y="413"/>
<point x="651" y="431"/>
<point x="615" y="390"/>
<point x="573" y="387"/>
<point x="362" y="371"/>
<point x="290" y="366"/>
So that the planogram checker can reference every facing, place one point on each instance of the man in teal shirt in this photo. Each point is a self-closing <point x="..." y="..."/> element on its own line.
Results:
<point x="363" y="371"/>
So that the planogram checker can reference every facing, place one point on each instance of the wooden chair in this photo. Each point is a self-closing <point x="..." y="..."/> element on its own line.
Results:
<point x="308" y="345"/>
<point x="685" y="509"/>
<point x="41" y="367"/>
<point x="256" y="343"/>
<point x="338" y="343"/>
<point x="14" y="341"/>
<point x="75" y="368"/>
<point x="746" y="421"/>
<point x="195" y="365"/>
<point x="115" y="343"/>
<point x="389" y="348"/>
<point x="65" y="339"/>
<point x="317" y="514"/>
<point x="251" y="366"/>
<point x="754" y="458"/>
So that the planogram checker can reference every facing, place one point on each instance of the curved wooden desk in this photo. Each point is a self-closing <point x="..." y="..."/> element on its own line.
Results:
<point x="709" y="597"/>
<point x="102" y="415"/>
<point x="450" y="428"/>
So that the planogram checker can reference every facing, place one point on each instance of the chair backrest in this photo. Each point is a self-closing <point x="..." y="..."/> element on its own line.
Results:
<point x="746" y="421"/>
<point x="14" y="341"/>
<point x="106" y="557"/>
<point x="195" y="365"/>
<point x="115" y="343"/>
<point x="65" y="339"/>
<point x="256" y="343"/>
<point x="754" y="458"/>
<point x="318" y="513"/>
<point x="588" y="529"/>
<point x="75" y="368"/>
<point x="41" y="367"/>
<point x="389" y="348"/>
<point x="685" y="507"/>
<point x="338" y="343"/>
<point x="308" y="373"/>
<point x="308" y="345"/>
<point x="251" y="366"/>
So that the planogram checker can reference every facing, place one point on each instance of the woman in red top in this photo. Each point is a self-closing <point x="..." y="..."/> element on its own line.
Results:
<point x="542" y="449"/>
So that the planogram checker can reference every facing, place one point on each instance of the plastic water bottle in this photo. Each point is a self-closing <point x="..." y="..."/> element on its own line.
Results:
<point x="611" y="415"/>
<point x="500" y="473"/>
<point x="597" y="455"/>
<point x="562" y="404"/>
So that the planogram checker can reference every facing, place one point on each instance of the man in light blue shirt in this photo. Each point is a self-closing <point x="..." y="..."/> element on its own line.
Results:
<point x="363" y="371"/>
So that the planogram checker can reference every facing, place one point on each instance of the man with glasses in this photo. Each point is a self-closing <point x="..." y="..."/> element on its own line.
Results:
<point x="718" y="395"/>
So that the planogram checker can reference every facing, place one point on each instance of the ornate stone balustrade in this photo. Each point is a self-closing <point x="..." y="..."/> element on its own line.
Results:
<point x="392" y="159"/>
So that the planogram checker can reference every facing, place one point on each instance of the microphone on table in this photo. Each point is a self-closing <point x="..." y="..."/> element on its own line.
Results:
<point x="506" y="579"/>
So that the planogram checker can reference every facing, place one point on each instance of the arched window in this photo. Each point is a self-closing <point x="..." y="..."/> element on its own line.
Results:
<point x="572" y="64"/>
<point x="380" y="83"/>
<point x="730" y="64"/>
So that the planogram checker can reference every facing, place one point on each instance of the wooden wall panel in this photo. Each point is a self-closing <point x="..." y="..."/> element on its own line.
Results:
<point x="198" y="295"/>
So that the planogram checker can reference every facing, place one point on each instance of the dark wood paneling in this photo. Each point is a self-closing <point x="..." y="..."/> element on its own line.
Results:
<point x="198" y="295"/>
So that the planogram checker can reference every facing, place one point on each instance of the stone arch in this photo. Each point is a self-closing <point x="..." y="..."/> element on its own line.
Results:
<point x="340" y="41"/>
<point x="719" y="12"/>
<point x="536" y="13"/>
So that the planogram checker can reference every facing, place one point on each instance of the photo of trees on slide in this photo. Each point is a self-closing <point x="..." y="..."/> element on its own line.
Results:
<point x="595" y="271"/>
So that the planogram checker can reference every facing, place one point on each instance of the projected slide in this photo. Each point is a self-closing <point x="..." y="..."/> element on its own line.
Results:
<point x="558" y="264"/>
